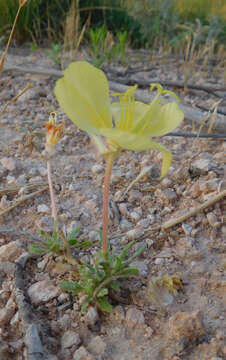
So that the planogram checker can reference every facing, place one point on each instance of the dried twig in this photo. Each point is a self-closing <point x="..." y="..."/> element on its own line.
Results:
<point x="178" y="84"/>
<point x="14" y="189"/>
<point x="22" y="200"/>
<point x="193" y="211"/>
<point x="11" y="101"/>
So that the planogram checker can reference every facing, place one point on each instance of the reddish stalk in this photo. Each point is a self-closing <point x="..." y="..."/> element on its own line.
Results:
<point x="107" y="180"/>
<point x="52" y="196"/>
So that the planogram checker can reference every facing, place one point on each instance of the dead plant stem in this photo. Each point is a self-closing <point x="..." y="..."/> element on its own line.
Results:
<point x="194" y="211"/>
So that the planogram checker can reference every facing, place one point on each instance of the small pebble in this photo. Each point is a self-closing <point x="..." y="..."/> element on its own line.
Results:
<point x="97" y="169"/>
<point x="82" y="354"/>
<point x="212" y="219"/>
<point x="134" y="234"/>
<point x="141" y="266"/>
<point x="69" y="339"/>
<point x="92" y="316"/>
<point x="97" y="346"/>
<point x="159" y="261"/>
<point x="134" y="216"/>
<point x="11" y="179"/>
<point x="134" y="317"/>
<point x="8" y="163"/>
<point x="43" y="208"/>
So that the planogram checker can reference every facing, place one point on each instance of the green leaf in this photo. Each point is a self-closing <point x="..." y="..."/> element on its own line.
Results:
<point x="104" y="304"/>
<point x="81" y="245"/>
<point x="125" y="250"/>
<point x="102" y="292"/>
<point x="137" y="253"/>
<point x="37" y="249"/>
<point x="70" y="286"/>
<point x="129" y="271"/>
<point x="115" y="285"/>
<point x="72" y="234"/>
<point x="55" y="232"/>
<point x="101" y="236"/>
<point x="117" y="264"/>
<point x="85" y="303"/>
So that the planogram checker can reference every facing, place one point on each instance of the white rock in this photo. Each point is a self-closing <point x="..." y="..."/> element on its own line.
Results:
<point x="10" y="179"/>
<point x="97" y="168"/>
<point x="10" y="252"/>
<point x="42" y="171"/>
<point x="43" y="208"/>
<point x="7" y="312"/>
<point x="159" y="261"/>
<point x="141" y="266"/>
<point x="42" y="291"/>
<point x="134" y="234"/>
<point x="134" y="216"/>
<point x="212" y="219"/>
<point x="4" y="203"/>
<point x="69" y="339"/>
<point x="134" y="317"/>
<point x="144" y="223"/>
<point x="97" y="346"/>
<point x="201" y="164"/>
<point x="8" y="163"/>
<point x="82" y="354"/>
<point x="94" y="236"/>
<point x="92" y="316"/>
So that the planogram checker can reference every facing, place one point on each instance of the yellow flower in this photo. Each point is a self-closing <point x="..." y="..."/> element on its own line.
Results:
<point x="83" y="93"/>
<point x="54" y="132"/>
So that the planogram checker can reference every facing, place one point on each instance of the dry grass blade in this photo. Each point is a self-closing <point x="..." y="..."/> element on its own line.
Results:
<point x="2" y="60"/>
<point x="26" y="188"/>
<point x="71" y="32"/>
<point x="214" y="115"/>
<point x="15" y="98"/>
<point x="194" y="211"/>
<point x="22" y="200"/>
<point x="143" y="172"/>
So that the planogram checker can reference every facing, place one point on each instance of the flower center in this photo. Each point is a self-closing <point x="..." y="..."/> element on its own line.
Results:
<point x="127" y="104"/>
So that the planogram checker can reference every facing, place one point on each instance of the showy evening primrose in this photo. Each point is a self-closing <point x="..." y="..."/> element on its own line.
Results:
<point x="83" y="93"/>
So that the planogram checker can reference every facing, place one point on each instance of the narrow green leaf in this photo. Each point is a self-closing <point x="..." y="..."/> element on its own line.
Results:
<point x="70" y="286"/>
<point x="129" y="271"/>
<point x="55" y="232"/>
<point x="117" y="264"/>
<point x="73" y="233"/>
<point x="82" y="245"/>
<point x="137" y="253"/>
<point x="115" y="285"/>
<point x="125" y="250"/>
<point x="104" y="304"/>
<point x="85" y="304"/>
<point x="37" y="250"/>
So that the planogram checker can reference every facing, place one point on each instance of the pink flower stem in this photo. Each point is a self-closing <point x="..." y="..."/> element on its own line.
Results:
<point x="52" y="195"/>
<point x="54" y="212"/>
<point x="107" y="180"/>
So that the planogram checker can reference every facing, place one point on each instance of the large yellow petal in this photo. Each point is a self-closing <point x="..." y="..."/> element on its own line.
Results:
<point x="131" y="141"/>
<point x="160" y="119"/>
<point x="83" y="94"/>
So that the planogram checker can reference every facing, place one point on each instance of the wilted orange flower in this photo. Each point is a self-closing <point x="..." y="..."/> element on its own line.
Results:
<point x="22" y="2"/>
<point x="54" y="132"/>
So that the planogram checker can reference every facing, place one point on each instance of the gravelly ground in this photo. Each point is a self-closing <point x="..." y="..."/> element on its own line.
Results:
<point x="37" y="320"/>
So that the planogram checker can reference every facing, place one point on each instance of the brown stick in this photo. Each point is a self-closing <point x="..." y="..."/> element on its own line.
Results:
<point x="20" y="201"/>
<point x="193" y="211"/>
